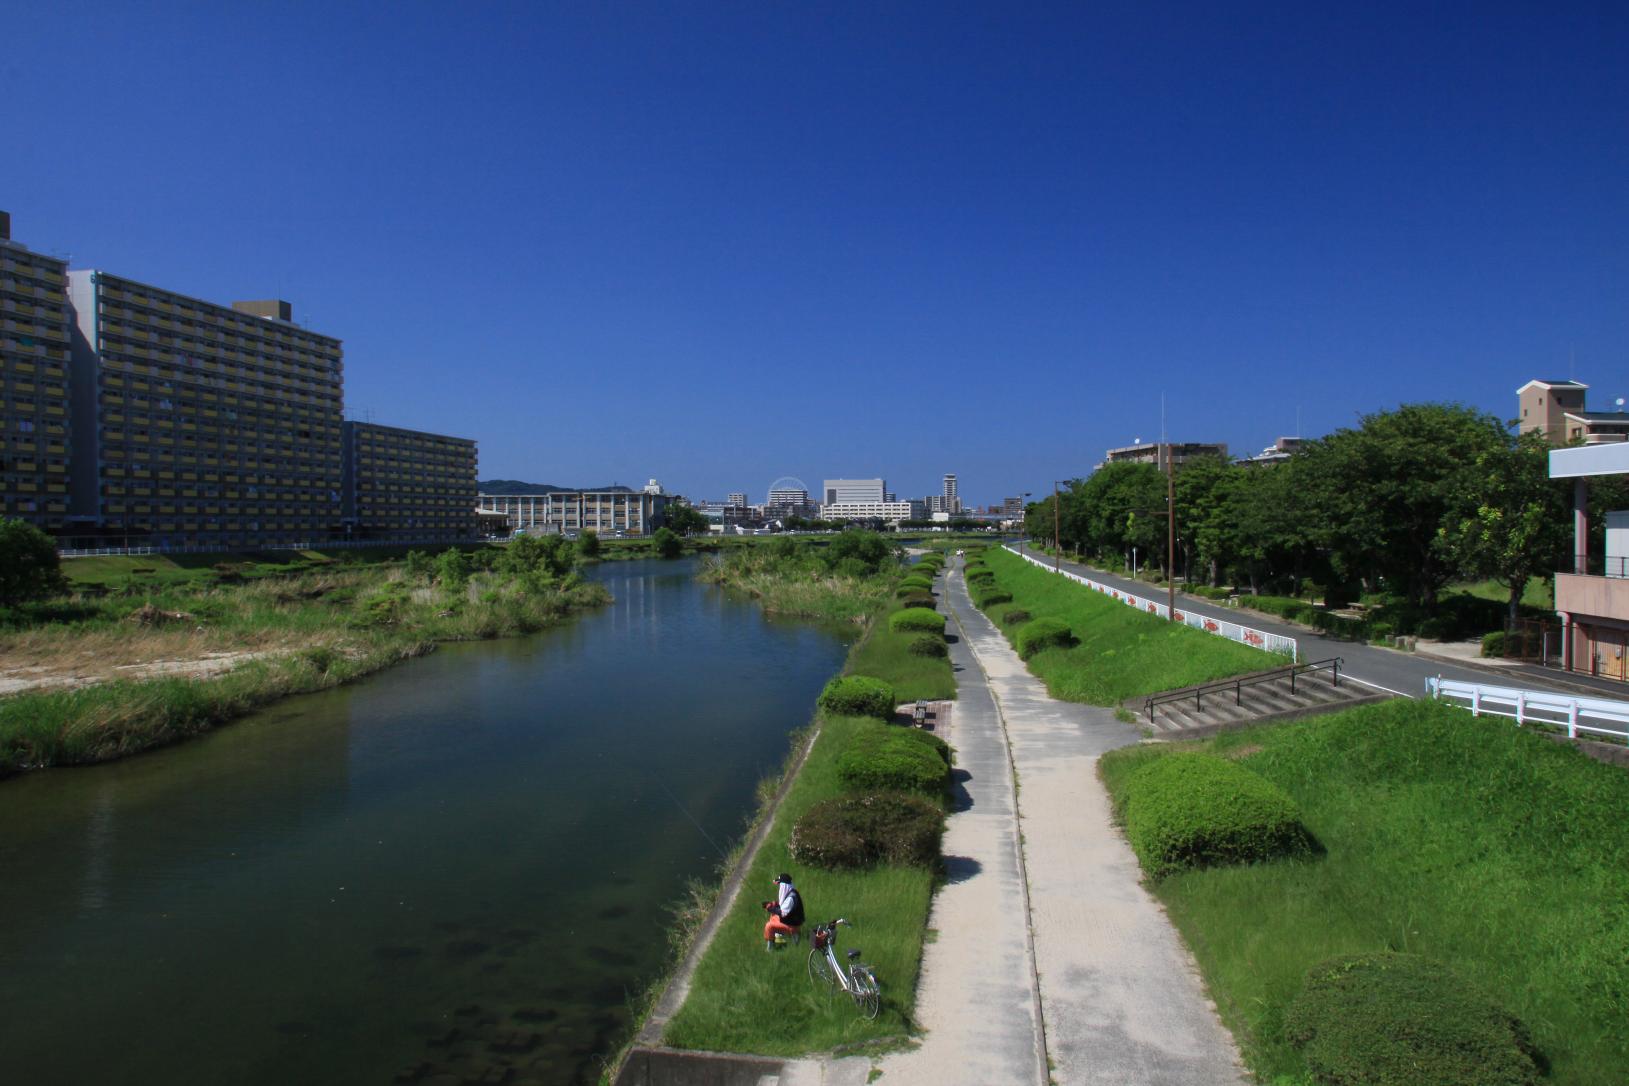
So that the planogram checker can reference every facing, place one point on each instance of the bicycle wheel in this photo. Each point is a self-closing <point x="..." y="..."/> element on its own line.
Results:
<point x="820" y="971"/>
<point x="867" y="992"/>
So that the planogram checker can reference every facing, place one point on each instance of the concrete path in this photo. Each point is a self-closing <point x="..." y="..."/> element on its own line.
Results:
<point x="1121" y="999"/>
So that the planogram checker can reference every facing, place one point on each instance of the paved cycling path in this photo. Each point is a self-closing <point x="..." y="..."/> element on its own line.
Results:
<point x="1121" y="999"/>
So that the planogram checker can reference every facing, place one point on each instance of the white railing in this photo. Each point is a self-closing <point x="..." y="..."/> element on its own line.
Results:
<point x="1535" y="707"/>
<point x="1221" y="627"/>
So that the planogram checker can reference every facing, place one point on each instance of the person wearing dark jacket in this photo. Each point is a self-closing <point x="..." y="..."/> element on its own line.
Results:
<point x="785" y="912"/>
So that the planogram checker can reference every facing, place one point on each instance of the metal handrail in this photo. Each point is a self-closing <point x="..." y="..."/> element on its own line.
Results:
<point x="1332" y="665"/>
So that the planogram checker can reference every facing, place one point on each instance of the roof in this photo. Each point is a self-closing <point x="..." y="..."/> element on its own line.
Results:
<point x="1611" y="458"/>
<point x="1618" y="417"/>
<point x="1551" y="383"/>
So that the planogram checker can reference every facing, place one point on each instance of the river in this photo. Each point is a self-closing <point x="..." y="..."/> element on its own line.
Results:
<point x="452" y="868"/>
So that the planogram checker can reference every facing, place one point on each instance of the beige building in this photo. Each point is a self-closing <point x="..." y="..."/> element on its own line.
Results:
<point x="408" y="485"/>
<point x="605" y="512"/>
<point x="1161" y="453"/>
<point x="1556" y="409"/>
<point x="34" y="392"/>
<point x="197" y="424"/>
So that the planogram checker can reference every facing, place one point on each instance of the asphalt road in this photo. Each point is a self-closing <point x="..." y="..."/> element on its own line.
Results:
<point x="1386" y="669"/>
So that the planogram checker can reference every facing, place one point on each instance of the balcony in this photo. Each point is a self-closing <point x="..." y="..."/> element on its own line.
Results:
<point x="1582" y="594"/>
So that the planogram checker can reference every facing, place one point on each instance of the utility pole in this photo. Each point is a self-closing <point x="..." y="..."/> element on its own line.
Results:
<point x="1057" y="538"/>
<point x="1170" y="533"/>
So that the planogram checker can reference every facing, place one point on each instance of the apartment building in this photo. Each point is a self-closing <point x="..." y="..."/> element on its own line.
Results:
<point x="953" y="501"/>
<point x="1556" y="409"/>
<point x="1162" y="454"/>
<point x="891" y="512"/>
<point x="407" y="485"/>
<point x="607" y="512"/>
<point x="35" y="413"/>
<point x="198" y="424"/>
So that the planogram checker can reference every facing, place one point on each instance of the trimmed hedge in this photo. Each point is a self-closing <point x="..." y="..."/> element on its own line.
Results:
<point x="1493" y="644"/>
<point x="912" y="590"/>
<point x="919" y="599"/>
<point x="929" y="645"/>
<point x="858" y="831"/>
<point x="917" y="583"/>
<point x="916" y="620"/>
<point x="892" y="760"/>
<point x="1042" y="633"/>
<point x="858" y="695"/>
<point x="988" y="596"/>
<point x="981" y="575"/>
<point x="1014" y="615"/>
<point x="932" y="742"/>
<point x="1392" y="1019"/>
<point x="1194" y="810"/>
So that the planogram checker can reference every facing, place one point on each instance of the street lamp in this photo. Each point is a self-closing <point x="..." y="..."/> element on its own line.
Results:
<point x="1057" y="530"/>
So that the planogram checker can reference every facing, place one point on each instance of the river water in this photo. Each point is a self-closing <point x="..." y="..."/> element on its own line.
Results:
<point x="453" y="869"/>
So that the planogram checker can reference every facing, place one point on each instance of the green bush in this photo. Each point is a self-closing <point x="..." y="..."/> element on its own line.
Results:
<point x="919" y="599"/>
<point x="916" y="620"/>
<point x="1433" y="629"/>
<point x="905" y="590"/>
<point x="1397" y="1019"/>
<point x="1014" y="615"/>
<point x="1207" y="592"/>
<point x="1493" y="644"/>
<point x="891" y="760"/>
<point x="916" y="583"/>
<point x="931" y="742"/>
<point x="858" y="831"/>
<point x="1194" y="810"/>
<point x="985" y="597"/>
<point x="929" y="645"/>
<point x="983" y="575"/>
<point x="1379" y="631"/>
<point x="1042" y="633"/>
<point x="858" y="695"/>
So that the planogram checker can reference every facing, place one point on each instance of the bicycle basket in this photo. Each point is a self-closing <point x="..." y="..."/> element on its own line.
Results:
<point x="821" y="938"/>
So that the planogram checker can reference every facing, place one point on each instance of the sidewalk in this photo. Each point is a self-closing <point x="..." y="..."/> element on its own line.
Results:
<point x="1121" y="999"/>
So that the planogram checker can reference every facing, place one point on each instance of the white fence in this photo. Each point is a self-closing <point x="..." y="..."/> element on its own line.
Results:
<point x="1536" y="707"/>
<point x="1221" y="627"/>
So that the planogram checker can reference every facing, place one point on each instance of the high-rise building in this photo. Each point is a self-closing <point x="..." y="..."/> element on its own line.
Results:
<point x="788" y="502"/>
<point x="34" y="384"/>
<point x="407" y="485"/>
<point x="738" y="499"/>
<point x="1012" y="507"/>
<point x="201" y="424"/>
<point x="849" y="491"/>
<point x="953" y="502"/>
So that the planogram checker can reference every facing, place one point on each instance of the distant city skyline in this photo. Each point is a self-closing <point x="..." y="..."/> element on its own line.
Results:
<point x="900" y="241"/>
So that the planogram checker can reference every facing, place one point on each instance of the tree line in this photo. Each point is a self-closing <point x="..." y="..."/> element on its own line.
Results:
<point x="1405" y="503"/>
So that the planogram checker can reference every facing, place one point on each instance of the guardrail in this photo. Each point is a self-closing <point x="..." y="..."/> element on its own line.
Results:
<point x="1535" y="707"/>
<point x="1197" y="693"/>
<point x="1221" y="627"/>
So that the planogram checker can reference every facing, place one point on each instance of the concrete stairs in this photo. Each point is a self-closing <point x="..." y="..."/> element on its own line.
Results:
<point x="1214" y="707"/>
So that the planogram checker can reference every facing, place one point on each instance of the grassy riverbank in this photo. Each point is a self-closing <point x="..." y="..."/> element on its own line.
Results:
<point x="807" y="580"/>
<point x="144" y="666"/>
<point x="1469" y="841"/>
<point x="744" y="999"/>
<point x="1118" y="652"/>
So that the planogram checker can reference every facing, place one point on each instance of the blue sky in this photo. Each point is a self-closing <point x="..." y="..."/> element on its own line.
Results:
<point x="720" y="243"/>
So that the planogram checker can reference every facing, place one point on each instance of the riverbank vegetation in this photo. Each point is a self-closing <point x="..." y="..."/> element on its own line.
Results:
<point x="106" y="672"/>
<point x="1088" y="647"/>
<point x="860" y="828"/>
<point x="1467" y="842"/>
<point x="845" y="578"/>
<point x="1387" y="515"/>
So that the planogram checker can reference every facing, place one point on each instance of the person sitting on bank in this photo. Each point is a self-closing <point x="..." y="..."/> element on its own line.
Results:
<point x="785" y="912"/>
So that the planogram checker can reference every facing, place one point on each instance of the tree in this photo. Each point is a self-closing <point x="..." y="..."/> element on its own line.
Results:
<point x="588" y="544"/>
<point x="1513" y="524"/>
<point x="550" y="555"/>
<point x="684" y="518"/>
<point x="668" y="544"/>
<point x="452" y="569"/>
<point x="29" y="567"/>
<point x="867" y="550"/>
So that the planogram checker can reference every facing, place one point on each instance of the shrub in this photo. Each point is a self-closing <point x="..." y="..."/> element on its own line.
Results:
<point x="916" y="620"/>
<point x="931" y="742"/>
<point x="1493" y="644"/>
<point x="1014" y="615"/>
<point x="1194" y="810"/>
<point x="919" y="599"/>
<point x="911" y="590"/>
<point x="1391" y="1019"/>
<point x="1043" y="633"/>
<point x="1433" y="629"/>
<point x="981" y="576"/>
<point x="916" y="583"/>
<point x="990" y="596"/>
<point x="929" y="645"/>
<point x="858" y="695"/>
<point x="1379" y="631"/>
<point x="1209" y="593"/>
<point x="858" y="831"/>
<point x="890" y="760"/>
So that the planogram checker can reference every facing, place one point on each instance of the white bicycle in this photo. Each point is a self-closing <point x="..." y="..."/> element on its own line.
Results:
<point x="857" y="980"/>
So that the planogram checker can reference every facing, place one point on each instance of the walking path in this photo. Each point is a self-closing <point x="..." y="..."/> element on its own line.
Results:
<point x="1120" y="999"/>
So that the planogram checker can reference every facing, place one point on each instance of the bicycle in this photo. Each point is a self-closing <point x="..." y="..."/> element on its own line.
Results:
<point x="857" y="980"/>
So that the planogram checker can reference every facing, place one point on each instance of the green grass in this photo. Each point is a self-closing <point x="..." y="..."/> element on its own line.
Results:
<point x="744" y="999"/>
<point x="886" y="654"/>
<point x="166" y="570"/>
<point x="1119" y="652"/>
<point x="1466" y="840"/>
<point x="1539" y="593"/>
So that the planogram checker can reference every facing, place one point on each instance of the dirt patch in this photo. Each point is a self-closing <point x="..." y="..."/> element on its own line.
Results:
<point x="1245" y="751"/>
